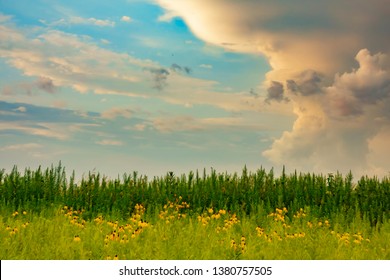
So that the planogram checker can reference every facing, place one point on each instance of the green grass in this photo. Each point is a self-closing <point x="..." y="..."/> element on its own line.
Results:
<point x="295" y="216"/>
<point x="54" y="235"/>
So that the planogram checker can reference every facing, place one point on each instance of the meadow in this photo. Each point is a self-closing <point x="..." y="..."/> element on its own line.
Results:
<point x="252" y="215"/>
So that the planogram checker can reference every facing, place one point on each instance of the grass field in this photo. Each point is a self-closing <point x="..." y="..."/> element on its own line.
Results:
<point x="45" y="215"/>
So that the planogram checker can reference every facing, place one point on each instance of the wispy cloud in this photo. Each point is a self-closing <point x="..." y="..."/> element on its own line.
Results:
<point x="206" y="66"/>
<point x="185" y="69"/>
<point x="115" y="112"/>
<point x="108" y="142"/>
<point x="21" y="147"/>
<point x="29" y="88"/>
<point x="76" y="20"/>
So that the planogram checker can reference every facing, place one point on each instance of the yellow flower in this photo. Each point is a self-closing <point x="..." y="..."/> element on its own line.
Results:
<point x="116" y="257"/>
<point x="211" y="211"/>
<point x="77" y="238"/>
<point x="24" y="213"/>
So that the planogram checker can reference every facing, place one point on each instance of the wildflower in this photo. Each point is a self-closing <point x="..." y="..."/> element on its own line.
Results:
<point x="15" y="214"/>
<point x="24" y="212"/>
<point x="116" y="257"/>
<point x="211" y="211"/>
<point x="77" y="238"/>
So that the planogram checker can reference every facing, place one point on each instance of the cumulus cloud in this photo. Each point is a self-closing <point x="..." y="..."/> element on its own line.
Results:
<point x="338" y="127"/>
<point x="320" y="61"/>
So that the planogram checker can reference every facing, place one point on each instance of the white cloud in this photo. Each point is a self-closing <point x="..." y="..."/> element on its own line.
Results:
<point x="126" y="19"/>
<point x="74" y="20"/>
<point x="207" y="66"/>
<point x="21" y="109"/>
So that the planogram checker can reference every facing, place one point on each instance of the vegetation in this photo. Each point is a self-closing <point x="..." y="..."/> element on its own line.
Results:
<point x="45" y="215"/>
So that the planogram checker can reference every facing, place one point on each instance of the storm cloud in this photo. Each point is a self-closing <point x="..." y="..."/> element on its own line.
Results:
<point x="333" y="67"/>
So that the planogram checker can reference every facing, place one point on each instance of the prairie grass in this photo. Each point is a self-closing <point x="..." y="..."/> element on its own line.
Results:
<point x="45" y="215"/>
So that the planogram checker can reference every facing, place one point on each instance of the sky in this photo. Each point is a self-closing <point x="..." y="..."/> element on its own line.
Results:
<point x="163" y="85"/>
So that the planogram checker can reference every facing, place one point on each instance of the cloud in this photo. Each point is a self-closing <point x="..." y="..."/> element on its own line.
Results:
<point x="294" y="36"/>
<point x="105" y="41"/>
<point x="21" y="147"/>
<point x="275" y="92"/>
<point x="29" y="88"/>
<point x="176" y="67"/>
<point x="159" y="77"/>
<point x="4" y="18"/>
<point x="76" y="20"/>
<point x="307" y="83"/>
<point x="320" y="61"/>
<point x="206" y="66"/>
<point x="126" y="19"/>
<point x="110" y="143"/>
<point x="56" y="57"/>
<point x="21" y="109"/>
<point x="190" y="123"/>
<point x="113" y="113"/>
<point x="337" y="128"/>
<point x="48" y="130"/>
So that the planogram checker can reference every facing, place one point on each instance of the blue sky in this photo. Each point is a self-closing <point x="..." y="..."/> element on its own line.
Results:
<point x="157" y="86"/>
